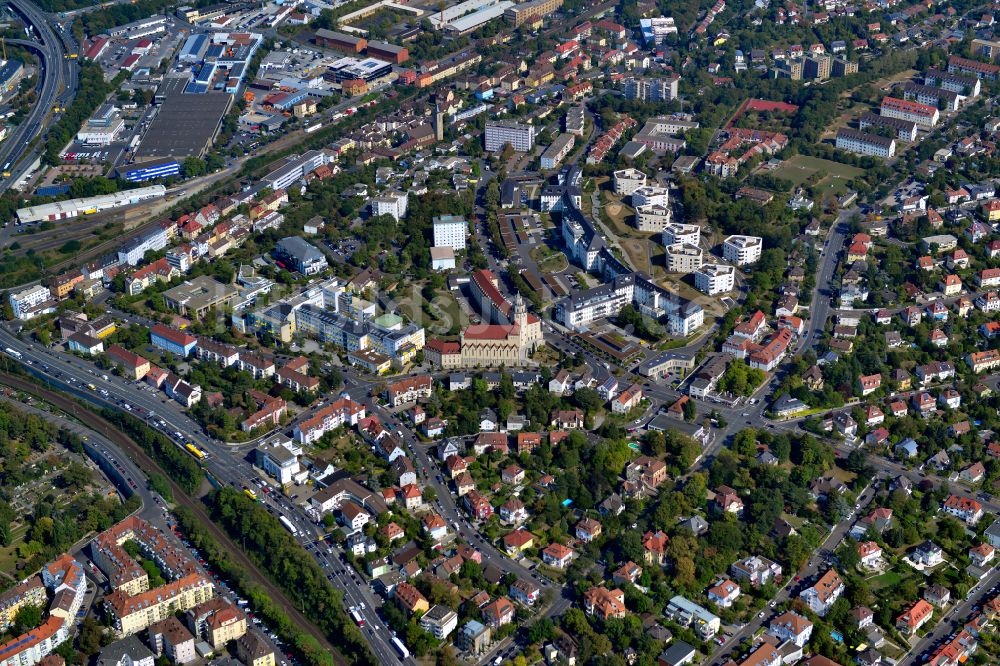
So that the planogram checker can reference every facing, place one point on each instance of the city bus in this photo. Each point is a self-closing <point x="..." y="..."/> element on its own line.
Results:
<point x="195" y="451"/>
<point x="250" y="493"/>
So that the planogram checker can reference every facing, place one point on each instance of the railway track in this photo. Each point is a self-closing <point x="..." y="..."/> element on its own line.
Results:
<point x="147" y="464"/>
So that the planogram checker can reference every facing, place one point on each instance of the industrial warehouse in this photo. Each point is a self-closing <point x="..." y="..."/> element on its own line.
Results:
<point x="64" y="210"/>
<point x="185" y="125"/>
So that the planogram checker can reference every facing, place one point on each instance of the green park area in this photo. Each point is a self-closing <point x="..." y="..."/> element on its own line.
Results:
<point x="824" y="176"/>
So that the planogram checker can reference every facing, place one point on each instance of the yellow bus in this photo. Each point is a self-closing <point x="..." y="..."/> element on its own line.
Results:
<point x="250" y="493"/>
<point x="195" y="451"/>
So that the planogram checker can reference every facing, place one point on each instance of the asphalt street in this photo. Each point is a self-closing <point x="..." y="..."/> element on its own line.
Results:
<point x="53" y="76"/>
<point x="73" y="375"/>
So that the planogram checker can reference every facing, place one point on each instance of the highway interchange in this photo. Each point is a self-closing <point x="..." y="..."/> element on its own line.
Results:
<point x="58" y="86"/>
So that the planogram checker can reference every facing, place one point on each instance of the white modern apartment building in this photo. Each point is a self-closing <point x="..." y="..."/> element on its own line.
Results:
<point x="628" y="181"/>
<point x="683" y="258"/>
<point x="440" y="621"/>
<point x="521" y="137"/>
<point x="278" y="458"/>
<point x="450" y="231"/>
<point x="715" y="279"/>
<point x="678" y="232"/>
<point x="25" y="302"/>
<point x="391" y="203"/>
<point x="742" y="250"/>
<point x="862" y="143"/>
<point x="652" y="217"/>
<point x="648" y="195"/>
<point x="578" y="310"/>
<point x="652" y="90"/>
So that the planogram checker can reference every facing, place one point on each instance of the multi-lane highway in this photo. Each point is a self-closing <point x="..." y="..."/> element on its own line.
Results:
<point x="14" y="152"/>
<point x="224" y="463"/>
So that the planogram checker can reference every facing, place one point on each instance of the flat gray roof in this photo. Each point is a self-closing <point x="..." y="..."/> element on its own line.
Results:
<point x="185" y="126"/>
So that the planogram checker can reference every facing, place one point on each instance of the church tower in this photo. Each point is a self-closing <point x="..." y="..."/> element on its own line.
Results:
<point x="520" y="313"/>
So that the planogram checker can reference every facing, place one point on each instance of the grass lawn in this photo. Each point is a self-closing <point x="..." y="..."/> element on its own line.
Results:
<point x="888" y="579"/>
<point x="441" y="314"/>
<point x="800" y="168"/>
<point x="8" y="554"/>
<point x="549" y="260"/>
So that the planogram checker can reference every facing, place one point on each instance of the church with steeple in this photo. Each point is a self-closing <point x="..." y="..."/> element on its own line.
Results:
<point x="491" y="345"/>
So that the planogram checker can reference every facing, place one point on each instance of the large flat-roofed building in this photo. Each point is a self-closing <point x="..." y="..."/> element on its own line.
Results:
<point x="277" y="459"/>
<point x="385" y="51"/>
<point x="854" y="141"/>
<point x="817" y="67"/>
<point x="678" y="232"/>
<point x="340" y="41"/>
<point x="578" y="310"/>
<point x="986" y="48"/>
<point x="142" y="28"/>
<point x="26" y="304"/>
<point x="199" y="295"/>
<point x="628" y="181"/>
<point x="661" y="134"/>
<point x="162" y="168"/>
<point x="295" y="169"/>
<point x="652" y="217"/>
<point x="353" y="69"/>
<point x="533" y="9"/>
<point x="714" y="279"/>
<point x="450" y="231"/>
<point x="475" y="20"/>
<point x="521" y="137"/>
<point x="63" y="210"/>
<point x="742" y="250"/>
<point x="575" y="120"/>
<point x="683" y="258"/>
<point x="652" y="90"/>
<point x="185" y="126"/>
